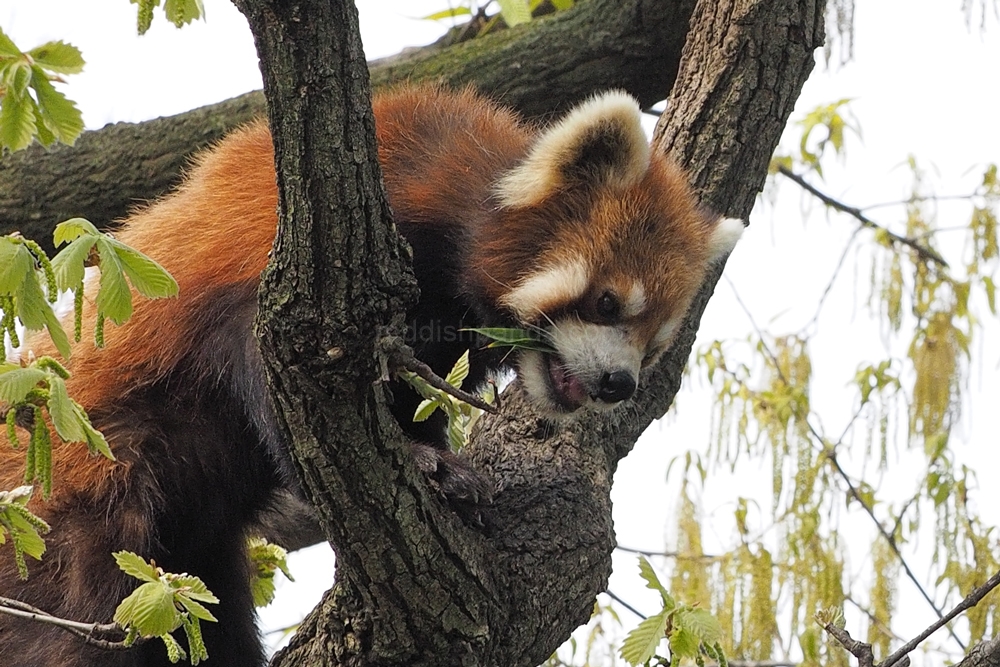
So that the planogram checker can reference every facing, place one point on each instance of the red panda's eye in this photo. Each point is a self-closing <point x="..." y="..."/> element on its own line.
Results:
<point x="607" y="307"/>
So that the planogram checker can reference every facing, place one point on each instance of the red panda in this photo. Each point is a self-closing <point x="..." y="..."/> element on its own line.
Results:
<point x="577" y="231"/>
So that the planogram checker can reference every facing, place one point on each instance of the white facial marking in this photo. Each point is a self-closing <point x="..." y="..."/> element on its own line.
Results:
<point x="724" y="237"/>
<point x="541" y="172"/>
<point x="635" y="300"/>
<point x="562" y="283"/>
<point x="666" y="333"/>
<point x="584" y="351"/>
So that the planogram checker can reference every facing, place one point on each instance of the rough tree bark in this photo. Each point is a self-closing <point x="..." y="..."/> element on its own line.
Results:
<point x="538" y="68"/>
<point x="414" y="585"/>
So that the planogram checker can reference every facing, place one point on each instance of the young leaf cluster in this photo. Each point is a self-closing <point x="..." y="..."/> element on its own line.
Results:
<point x="25" y="391"/>
<point x="21" y="526"/>
<point x="30" y="106"/>
<point x="162" y="604"/>
<point x="461" y="416"/>
<point x="178" y="12"/>
<point x="511" y="12"/>
<point x="87" y="246"/>
<point x="691" y="633"/>
<point x="266" y="560"/>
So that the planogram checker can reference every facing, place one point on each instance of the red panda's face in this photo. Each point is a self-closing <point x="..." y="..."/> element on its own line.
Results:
<point x="611" y="248"/>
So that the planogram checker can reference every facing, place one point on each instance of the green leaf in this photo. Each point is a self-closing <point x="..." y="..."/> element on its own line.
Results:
<point x="63" y="412"/>
<point x="425" y="409"/>
<point x="15" y="384"/>
<point x="194" y="588"/>
<point x="36" y="313"/>
<point x="456" y="376"/>
<point x="60" y="115"/>
<point x="519" y="338"/>
<point x="17" y="121"/>
<point x="114" y="299"/>
<point x="70" y="263"/>
<point x="73" y="228"/>
<point x="149" y="278"/>
<point x="7" y="47"/>
<point x="448" y="13"/>
<point x="640" y="644"/>
<point x="701" y="623"/>
<point x="95" y="439"/>
<point x="514" y="12"/>
<point x="136" y="566"/>
<point x="16" y="263"/>
<point x="652" y="581"/>
<point x="58" y="57"/>
<point x="196" y="609"/>
<point x="684" y="643"/>
<point x="182" y="12"/>
<point x="150" y="610"/>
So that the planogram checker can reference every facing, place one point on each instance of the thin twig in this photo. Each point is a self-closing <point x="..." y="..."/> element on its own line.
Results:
<point x="970" y="601"/>
<point x="85" y="631"/>
<point x="401" y="357"/>
<point x="922" y="251"/>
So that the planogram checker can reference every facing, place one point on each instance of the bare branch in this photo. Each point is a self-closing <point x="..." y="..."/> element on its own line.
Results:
<point x="85" y="631"/>
<point x="970" y="601"/>
<point x="925" y="253"/>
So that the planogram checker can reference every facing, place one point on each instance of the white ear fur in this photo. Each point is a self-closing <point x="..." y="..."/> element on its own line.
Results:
<point x="606" y="121"/>
<point x="725" y="234"/>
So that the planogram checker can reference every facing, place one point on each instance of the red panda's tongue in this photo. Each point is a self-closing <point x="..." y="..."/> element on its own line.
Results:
<point x="569" y="390"/>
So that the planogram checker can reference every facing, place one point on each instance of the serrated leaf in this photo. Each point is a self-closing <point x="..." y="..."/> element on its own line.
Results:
<point x="194" y="587"/>
<point x="196" y="609"/>
<point x="36" y="314"/>
<point x="69" y="264"/>
<point x="684" y="644"/>
<point x="150" y="610"/>
<point x="136" y="566"/>
<point x="518" y="338"/>
<point x="514" y="12"/>
<point x="67" y="230"/>
<point x="17" y="121"/>
<point x="653" y="582"/>
<point x="16" y="263"/>
<point x="59" y="114"/>
<point x="15" y="384"/>
<point x="701" y="623"/>
<point x="7" y="47"/>
<point x="58" y="57"/>
<point x="114" y="299"/>
<point x="147" y="277"/>
<point x="95" y="439"/>
<point x="456" y="376"/>
<point x="63" y="413"/>
<point x="425" y="409"/>
<point x="640" y="644"/>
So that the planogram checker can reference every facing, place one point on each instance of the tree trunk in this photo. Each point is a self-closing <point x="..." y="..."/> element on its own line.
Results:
<point x="414" y="586"/>
<point x="540" y="68"/>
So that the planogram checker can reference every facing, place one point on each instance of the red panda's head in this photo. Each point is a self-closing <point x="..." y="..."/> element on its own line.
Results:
<point x="601" y="246"/>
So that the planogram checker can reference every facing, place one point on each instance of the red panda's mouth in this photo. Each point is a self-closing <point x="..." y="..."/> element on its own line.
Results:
<point x="567" y="390"/>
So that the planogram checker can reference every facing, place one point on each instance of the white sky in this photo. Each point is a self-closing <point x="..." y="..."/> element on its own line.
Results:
<point x="922" y="83"/>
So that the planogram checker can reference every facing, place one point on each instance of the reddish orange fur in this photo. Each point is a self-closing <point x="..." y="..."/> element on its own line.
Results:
<point x="176" y="389"/>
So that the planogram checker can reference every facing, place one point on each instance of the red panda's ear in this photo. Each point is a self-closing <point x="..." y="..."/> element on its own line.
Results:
<point x="723" y="237"/>
<point x="599" y="143"/>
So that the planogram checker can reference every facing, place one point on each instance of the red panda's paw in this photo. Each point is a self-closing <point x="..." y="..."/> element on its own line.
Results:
<point x="464" y="489"/>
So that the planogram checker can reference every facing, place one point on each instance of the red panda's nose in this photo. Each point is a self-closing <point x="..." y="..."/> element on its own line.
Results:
<point x="616" y="386"/>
